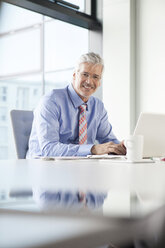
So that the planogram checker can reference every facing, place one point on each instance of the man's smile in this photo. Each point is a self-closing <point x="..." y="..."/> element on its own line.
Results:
<point x="88" y="86"/>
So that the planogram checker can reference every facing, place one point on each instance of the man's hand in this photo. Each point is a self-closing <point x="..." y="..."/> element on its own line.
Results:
<point x="110" y="148"/>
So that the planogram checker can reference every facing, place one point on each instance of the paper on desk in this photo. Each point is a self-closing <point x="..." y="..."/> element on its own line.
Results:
<point x="107" y="156"/>
<point x="104" y="156"/>
<point x="119" y="158"/>
<point x="63" y="158"/>
<point x="113" y="158"/>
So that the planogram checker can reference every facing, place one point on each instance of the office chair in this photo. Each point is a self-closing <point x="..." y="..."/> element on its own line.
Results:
<point x="22" y="124"/>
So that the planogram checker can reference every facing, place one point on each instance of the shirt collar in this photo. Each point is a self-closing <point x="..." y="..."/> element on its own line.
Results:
<point x="76" y="100"/>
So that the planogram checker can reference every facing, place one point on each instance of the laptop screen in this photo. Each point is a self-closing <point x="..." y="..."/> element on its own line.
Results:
<point x="152" y="127"/>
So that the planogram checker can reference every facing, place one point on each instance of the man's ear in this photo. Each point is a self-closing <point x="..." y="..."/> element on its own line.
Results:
<point x="74" y="75"/>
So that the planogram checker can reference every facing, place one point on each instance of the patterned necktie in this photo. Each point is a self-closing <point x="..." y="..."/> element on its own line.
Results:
<point x="82" y="125"/>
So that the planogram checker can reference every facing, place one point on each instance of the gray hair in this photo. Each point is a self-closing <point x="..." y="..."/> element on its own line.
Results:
<point x="91" y="57"/>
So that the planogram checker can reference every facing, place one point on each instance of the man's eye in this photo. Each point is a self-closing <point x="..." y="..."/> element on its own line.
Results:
<point x="85" y="74"/>
<point x="96" y="77"/>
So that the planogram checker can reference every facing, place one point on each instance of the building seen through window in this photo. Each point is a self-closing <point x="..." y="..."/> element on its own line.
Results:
<point x="37" y="54"/>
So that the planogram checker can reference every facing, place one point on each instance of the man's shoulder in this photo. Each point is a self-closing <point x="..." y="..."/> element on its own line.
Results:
<point x="54" y="97"/>
<point x="96" y="101"/>
<point x="56" y="94"/>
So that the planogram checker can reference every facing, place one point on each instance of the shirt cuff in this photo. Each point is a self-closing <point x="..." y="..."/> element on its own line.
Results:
<point x="84" y="150"/>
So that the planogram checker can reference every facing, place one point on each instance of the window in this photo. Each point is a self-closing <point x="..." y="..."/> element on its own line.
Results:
<point x="60" y="58"/>
<point x="25" y="57"/>
<point x="3" y="136"/>
<point x="35" y="92"/>
<point x="80" y="3"/>
<point x="3" y="94"/>
<point x="3" y="152"/>
<point x="78" y="12"/>
<point x="3" y="114"/>
<point x="22" y="99"/>
<point x="37" y="54"/>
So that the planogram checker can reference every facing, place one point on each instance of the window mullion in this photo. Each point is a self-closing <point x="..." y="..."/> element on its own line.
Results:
<point x="42" y="58"/>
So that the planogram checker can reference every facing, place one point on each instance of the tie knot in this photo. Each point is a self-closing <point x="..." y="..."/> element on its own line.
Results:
<point x="83" y="107"/>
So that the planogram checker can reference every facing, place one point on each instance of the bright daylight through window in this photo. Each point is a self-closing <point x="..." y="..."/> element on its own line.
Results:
<point x="37" y="54"/>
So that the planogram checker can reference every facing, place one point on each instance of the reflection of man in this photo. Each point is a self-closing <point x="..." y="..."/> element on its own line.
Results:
<point x="70" y="200"/>
<point x="68" y="122"/>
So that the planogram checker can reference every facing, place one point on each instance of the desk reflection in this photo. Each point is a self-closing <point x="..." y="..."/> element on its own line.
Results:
<point x="50" y="200"/>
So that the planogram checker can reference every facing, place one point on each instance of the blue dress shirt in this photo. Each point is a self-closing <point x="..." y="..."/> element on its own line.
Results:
<point x="55" y="129"/>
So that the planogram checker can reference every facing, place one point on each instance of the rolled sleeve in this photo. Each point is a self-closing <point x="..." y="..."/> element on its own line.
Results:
<point x="84" y="150"/>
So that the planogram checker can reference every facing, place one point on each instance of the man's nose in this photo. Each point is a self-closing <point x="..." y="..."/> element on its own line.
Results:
<point x="89" y="79"/>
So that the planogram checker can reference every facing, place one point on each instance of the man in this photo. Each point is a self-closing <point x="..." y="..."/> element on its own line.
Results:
<point x="69" y="121"/>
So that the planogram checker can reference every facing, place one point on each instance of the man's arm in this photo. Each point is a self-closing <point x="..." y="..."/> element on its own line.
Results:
<point x="47" y="129"/>
<point x="109" y="143"/>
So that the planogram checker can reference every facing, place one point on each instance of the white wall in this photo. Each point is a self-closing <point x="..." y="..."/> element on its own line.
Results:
<point x="150" y="55"/>
<point x="96" y="41"/>
<point x="118" y="81"/>
<point x="134" y="54"/>
<point x="95" y="45"/>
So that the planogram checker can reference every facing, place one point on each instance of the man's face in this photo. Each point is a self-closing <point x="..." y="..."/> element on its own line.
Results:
<point x="87" y="79"/>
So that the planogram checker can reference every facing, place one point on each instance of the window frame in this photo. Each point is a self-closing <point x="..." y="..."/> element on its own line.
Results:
<point x="54" y="10"/>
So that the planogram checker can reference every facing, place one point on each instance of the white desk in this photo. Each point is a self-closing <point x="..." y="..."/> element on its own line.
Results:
<point x="130" y="190"/>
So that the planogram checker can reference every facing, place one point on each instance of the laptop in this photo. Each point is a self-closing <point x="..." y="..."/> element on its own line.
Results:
<point x="152" y="127"/>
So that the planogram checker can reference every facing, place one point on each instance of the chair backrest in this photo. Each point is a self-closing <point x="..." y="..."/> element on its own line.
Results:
<point x="22" y="124"/>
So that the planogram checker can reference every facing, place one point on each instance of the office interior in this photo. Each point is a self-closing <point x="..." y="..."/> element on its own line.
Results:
<point x="38" y="53"/>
